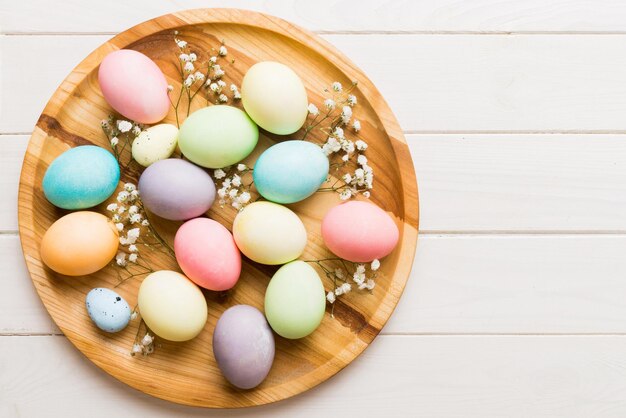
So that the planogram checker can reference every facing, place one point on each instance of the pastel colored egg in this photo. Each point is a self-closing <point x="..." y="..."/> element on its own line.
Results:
<point x="274" y="97"/>
<point x="243" y="346"/>
<point x="172" y="306"/>
<point x="218" y="136"/>
<point x="290" y="171"/>
<point x="295" y="300"/>
<point x="359" y="231"/>
<point x="207" y="254"/>
<point x="269" y="233"/>
<point x="81" y="177"/>
<point x="134" y="86"/>
<point x="80" y="243"/>
<point x="155" y="143"/>
<point x="175" y="189"/>
<point x="108" y="310"/>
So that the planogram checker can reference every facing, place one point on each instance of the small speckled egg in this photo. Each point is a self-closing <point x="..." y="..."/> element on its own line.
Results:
<point x="172" y="306"/>
<point x="269" y="233"/>
<point x="108" y="310"/>
<point x="290" y="171"/>
<point x="295" y="300"/>
<point x="134" y="86"/>
<point x="243" y="346"/>
<point x="274" y="97"/>
<point x="177" y="190"/>
<point x="207" y="254"/>
<point x="155" y="143"/>
<point x="359" y="231"/>
<point x="80" y="243"/>
<point x="218" y="136"/>
<point x="81" y="177"/>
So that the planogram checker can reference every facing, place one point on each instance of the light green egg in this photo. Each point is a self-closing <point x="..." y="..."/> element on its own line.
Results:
<point x="295" y="300"/>
<point x="155" y="143"/>
<point x="218" y="136"/>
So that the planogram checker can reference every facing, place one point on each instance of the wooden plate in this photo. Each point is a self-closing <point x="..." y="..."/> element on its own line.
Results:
<point x="186" y="372"/>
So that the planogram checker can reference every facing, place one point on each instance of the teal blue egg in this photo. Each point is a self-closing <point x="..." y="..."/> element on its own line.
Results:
<point x="290" y="171"/>
<point x="81" y="178"/>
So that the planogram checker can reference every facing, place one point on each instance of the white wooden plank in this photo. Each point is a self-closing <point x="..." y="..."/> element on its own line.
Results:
<point x="459" y="284"/>
<point x="478" y="182"/>
<point x="432" y="82"/>
<point x="462" y="376"/>
<point x="332" y="15"/>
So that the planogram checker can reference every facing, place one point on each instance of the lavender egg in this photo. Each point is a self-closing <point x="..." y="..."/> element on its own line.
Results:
<point x="243" y="345"/>
<point x="176" y="189"/>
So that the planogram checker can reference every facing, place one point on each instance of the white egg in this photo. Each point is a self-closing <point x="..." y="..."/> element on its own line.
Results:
<point x="155" y="143"/>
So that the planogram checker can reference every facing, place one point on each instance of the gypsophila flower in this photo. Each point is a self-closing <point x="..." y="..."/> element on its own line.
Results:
<point x="242" y="167"/>
<point x="133" y="248"/>
<point x="119" y="226"/>
<point x="237" y="95"/>
<point x="133" y="195"/>
<point x="244" y="197"/>
<point x="329" y="104"/>
<point x="213" y="60"/>
<point x="133" y="316"/>
<point x="133" y="210"/>
<point x="114" y="141"/>
<point x="356" y="125"/>
<point x="232" y="193"/>
<point x="347" y="178"/>
<point x="147" y="339"/>
<point x="193" y="57"/>
<point x="346" y="114"/>
<point x="198" y="76"/>
<point x="236" y="181"/>
<point x="313" y="109"/>
<point x="221" y="83"/>
<point x="366" y="194"/>
<point x="189" y="81"/>
<point x="121" y="209"/>
<point x="137" y="349"/>
<point x="136" y="130"/>
<point x="181" y="44"/>
<point x="120" y="259"/>
<point x="130" y="187"/>
<point x="223" y="98"/>
<point x="217" y="71"/>
<point x="124" y="126"/>
<point x="132" y="258"/>
<point x="233" y="88"/>
<point x="360" y="145"/>
<point x="170" y="88"/>
<point x="336" y="86"/>
<point x="112" y="207"/>
<point x="136" y="218"/>
<point x="345" y="194"/>
<point x="219" y="174"/>
<point x="122" y="196"/>
<point x="183" y="57"/>
<point x="330" y="296"/>
<point x="362" y="159"/>
<point x="345" y="158"/>
<point x="346" y="287"/>
<point x="351" y="100"/>
<point x="223" y="51"/>
<point x="116" y="218"/>
<point x="375" y="265"/>
<point x="214" y="87"/>
<point x="145" y="222"/>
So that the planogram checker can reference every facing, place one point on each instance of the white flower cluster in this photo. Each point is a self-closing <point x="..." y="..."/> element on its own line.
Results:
<point x="145" y="346"/>
<point x="233" y="189"/>
<point x="120" y="130"/>
<point x="359" y="277"/>
<point x="128" y="217"/>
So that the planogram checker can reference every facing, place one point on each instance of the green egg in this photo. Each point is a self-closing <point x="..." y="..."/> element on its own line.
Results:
<point x="218" y="136"/>
<point x="295" y="300"/>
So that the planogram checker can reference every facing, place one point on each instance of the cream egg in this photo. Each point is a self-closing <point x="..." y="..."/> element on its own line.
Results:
<point x="155" y="143"/>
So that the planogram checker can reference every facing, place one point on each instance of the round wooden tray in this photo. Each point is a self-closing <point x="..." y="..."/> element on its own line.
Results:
<point x="186" y="372"/>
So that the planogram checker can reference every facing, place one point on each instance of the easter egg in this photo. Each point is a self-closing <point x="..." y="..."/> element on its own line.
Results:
<point x="81" y="177"/>
<point x="295" y="300"/>
<point x="108" y="310"/>
<point x="359" y="231"/>
<point x="290" y="171"/>
<point x="243" y="346"/>
<point x="80" y="243"/>
<point x="269" y="233"/>
<point x="207" y="254"/>
<point x="172" y="306"/>
<point x="274" y="97"/>
<point x="155" y="143"/>
<point x="134" y="86"/>
<point x="217" y="136"/>
<point x="175" y="189"/>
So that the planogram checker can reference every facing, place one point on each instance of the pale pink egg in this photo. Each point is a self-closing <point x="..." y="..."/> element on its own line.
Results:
<point x="359" y="232"/>
<point x="134" y="86"/>
<point x="207" y="254"/>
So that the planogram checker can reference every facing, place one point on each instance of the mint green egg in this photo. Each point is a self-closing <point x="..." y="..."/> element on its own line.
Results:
<point x="295" y="300"/>
<point x="218" y="136"/>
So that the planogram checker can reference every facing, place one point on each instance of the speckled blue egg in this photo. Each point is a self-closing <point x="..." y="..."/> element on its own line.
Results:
<point x="290" y="171"/>
<point x="108" y="310"/>
<point x="81" y="177"/>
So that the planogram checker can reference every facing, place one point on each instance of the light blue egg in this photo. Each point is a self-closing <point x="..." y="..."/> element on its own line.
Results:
<point x="81" y="177"/>
<point x="290" y="171"/>
<point x="108" y="310"/>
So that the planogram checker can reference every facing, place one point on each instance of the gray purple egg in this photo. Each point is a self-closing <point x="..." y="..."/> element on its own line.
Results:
<point x="176" y="189"/>
<point x="243" y="345"/>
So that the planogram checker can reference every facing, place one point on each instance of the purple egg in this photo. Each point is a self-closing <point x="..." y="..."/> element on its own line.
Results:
<point x="176" y="189"/>
<point x="243" y="345"/>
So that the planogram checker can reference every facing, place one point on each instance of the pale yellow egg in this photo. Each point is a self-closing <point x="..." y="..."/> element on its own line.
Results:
<point x="155" y="143"/>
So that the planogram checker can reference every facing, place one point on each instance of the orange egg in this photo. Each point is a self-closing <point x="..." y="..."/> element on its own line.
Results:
<point x="80" y="243"/>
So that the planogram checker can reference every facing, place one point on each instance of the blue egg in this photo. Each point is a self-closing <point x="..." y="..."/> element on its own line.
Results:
<point x="81" y="177"/>
<point x="108" y="310"/>
<point x="290" y="171"/>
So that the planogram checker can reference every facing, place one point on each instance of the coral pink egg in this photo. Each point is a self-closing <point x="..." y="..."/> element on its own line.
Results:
<point x="359" y="232"/>
<point x="207" y="254"/>
<point x="134" y="86"/>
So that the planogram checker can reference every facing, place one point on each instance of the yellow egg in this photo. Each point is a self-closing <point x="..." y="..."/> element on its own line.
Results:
<point x="274" y="97"/>
<point x="80" y="243"/>
<point x="155" y="143"/>
<point x="269" y="233"/>
<point x="172" y="306"/>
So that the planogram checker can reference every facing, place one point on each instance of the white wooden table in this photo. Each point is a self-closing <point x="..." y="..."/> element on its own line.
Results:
<point x="515" y="112"/>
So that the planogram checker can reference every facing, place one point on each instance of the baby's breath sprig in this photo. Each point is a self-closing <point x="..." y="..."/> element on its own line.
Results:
<point x="121" y="133"/>
<point x="334" y="124"/>
<point x="197" y="75"/>
<point x="235" y="189"/>
<point x="145" y="342"/>
<point x="344" y="274"/>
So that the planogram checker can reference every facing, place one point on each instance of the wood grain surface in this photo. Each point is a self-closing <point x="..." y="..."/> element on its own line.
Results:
<point x="187" y="373"/>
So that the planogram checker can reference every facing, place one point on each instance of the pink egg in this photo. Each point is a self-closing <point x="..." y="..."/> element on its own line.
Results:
<point x="207" y="254"/>
<point x="359" y="232"/>
<point x="134" y="86"/>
